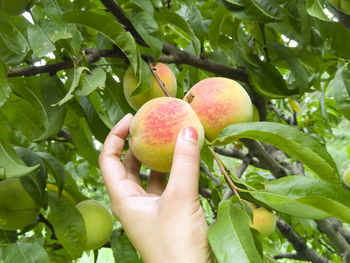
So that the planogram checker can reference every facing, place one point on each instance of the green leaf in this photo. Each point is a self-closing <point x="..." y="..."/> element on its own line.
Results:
<point x="215" y="27"/>
<point x="5" y="88"/>
<point x="231" y="237"/>
<point x="270" y="9"/>
<point x="110" y="28"/>
<point x="293" y="61"/>
<point x="94" y="80"/>
<point x="149" y="30"/>
<point x="294" y="142"/>
<point x="28" y="252"/>
<point x="82" y="137"/>
<point x="314" y="8"/>
<point x="68" y="224"/>
<point x="123" y="250"/>
<point x="41" y="93"/>
<point x="7" y="237"/>
<point x="14" y="46"/>
<point x="11" y="165"/>
<point x="39" y="41"/>
<point x="55" y="168"/>
<point x="306" y="197"/>
<point x="144" y="76"/>
<point x="341" y="91"/>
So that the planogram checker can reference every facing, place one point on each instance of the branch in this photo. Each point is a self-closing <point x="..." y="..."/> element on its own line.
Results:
<point x="159" y="81"/>
<point x="288" y="255"/>
<point x="49" y="225"/>
<point x="238" y="154"/>
<point x="299" y="244"/>
<point x="279" y="114"/>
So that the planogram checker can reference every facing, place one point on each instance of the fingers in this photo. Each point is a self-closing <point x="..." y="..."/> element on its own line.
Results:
<point x="156" y="183"/>
<point x="184" y="175"/>
<point x="111" y="167"/>
<point x="132" y="166"/>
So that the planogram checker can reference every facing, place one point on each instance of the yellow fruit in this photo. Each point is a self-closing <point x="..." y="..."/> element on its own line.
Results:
<point x="14" y="7"/>
<point x="17" y="207"/>
<point x="264" y="221"/>
<point x="219" y="102"/>
<point x="154" y="130"/>
<point x="346" y="177"/>
<point x="130" y="82"/>
<point x="98" y="223"/>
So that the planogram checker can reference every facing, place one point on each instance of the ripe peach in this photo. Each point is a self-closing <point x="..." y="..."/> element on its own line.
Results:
<point x="219" y="102"/>
<point x="264" y="221"/>
<point x="130" y="81"/>
<point x="154" y="130"/>
<point x="346" y="177"/>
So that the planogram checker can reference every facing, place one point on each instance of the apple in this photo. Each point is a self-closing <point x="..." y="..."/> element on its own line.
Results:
<point x="346" y="177"/>
<point x="14" y="7"/>
<point x="98" y="223"/>
<point x="17" y="208"/>
<point x="130" y="82"/>
<point x="264" y="221"/>
<point x="154" y="130"/>
<point x="219" y="102"/>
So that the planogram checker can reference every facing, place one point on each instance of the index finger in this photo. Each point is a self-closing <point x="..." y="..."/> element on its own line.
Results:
<point x="111" y="167"/>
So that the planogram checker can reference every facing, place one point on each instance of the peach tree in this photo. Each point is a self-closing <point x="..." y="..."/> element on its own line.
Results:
<point x="62" y="65"/>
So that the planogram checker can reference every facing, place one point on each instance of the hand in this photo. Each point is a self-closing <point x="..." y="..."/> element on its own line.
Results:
<point x="165" y="223"/>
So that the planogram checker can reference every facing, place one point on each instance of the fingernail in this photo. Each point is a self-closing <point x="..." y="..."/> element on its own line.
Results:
<point x="189" y="134"/>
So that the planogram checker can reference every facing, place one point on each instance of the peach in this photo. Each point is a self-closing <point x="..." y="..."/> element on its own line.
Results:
<point x="154" y="130"/>
<point x="130" y="82"/>
<point x="346" y="177"/>
<point x="219" y="102"/>
<point x="264" y="221"/>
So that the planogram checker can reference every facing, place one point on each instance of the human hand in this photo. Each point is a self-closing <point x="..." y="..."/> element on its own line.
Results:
<point x="165" y="223"/>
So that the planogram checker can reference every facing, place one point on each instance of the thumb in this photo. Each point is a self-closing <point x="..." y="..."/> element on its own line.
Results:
<point x="184" y="175"/>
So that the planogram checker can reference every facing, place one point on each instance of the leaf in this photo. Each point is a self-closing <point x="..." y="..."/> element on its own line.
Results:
<point x="270" y="9"/>
<point x="149" y="30"/>
<point x="82" y="137"/>
<point x="294" y="142"/>
<point x="110" y="28"/>
<point x="314" y="8"/>
<point x="39" y="42"/>
<point x="231" y="237"/>
<point x="94" y="80"/>
<point x="215" y="27"/>
<point x="68" y="224"/>
<point x="14" y="46"/>
<point x="40" y="93"/>
<point x="5" y="89"/>
<point x="341" y="91"/>
<point x="123" y="250"/>
<point x="294" y="63"/>
<point x="26" y="252"/>
<point x="11" y="164"/>
<point x="306" y="197"/>
<point x="55" y="168"/>
<point x="144" y="77"/>
<point x="7" y="237"/>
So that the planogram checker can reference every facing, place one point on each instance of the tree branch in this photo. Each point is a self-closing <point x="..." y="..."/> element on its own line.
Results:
<point x="299" y="244"/>
<point x="289" y="255"/>
<point x="238" y="154"/>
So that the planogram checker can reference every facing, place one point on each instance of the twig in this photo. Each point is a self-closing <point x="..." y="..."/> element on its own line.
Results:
<point x="238" y="154"/>
<point x="223" y="171"/>
<point x="49" y="225"/>
<point x="288" y="255"/>
<point x="159" y="81"/>
<point x="324" y="244"/>
<point x="262" y="29"/>
<point x="279" y="114"/>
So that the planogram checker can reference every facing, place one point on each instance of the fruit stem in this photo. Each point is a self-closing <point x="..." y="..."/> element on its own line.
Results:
<point x="223" y="171"/>
<point x="160" y="83"/>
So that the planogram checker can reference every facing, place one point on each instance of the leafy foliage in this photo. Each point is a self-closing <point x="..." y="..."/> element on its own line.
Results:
<point x="61" y="67"/>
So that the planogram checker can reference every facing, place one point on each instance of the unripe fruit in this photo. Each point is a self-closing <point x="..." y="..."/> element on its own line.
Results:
<point x="154" y="130"/>
<point x="130" y="82"/>
<point x="264" y="221"/>
<point x="219" y="102"/>
<point x="346" y="177"/>
<point x="98" y="223"/>
<point x="14" y="7"/>
<point x="17" y="207"/>
<point x="256" y="115"/>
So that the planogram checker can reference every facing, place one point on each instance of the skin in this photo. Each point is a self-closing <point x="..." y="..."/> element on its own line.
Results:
<point x="98" y="223"/>
<point x="154" y="130"/>
<point x="264" y="221"/>
<point x="130" y="82"/>
<point x="346" y="177"/>
<point x="219" y="102"/>
<point x="164" y="222"/>
<point x="17" y="207"/>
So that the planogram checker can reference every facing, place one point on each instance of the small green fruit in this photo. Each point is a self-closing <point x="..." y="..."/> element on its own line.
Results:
<point x="98" y="223"/>
<point x="346" y="177"/>
<point x="17" y="207"/>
